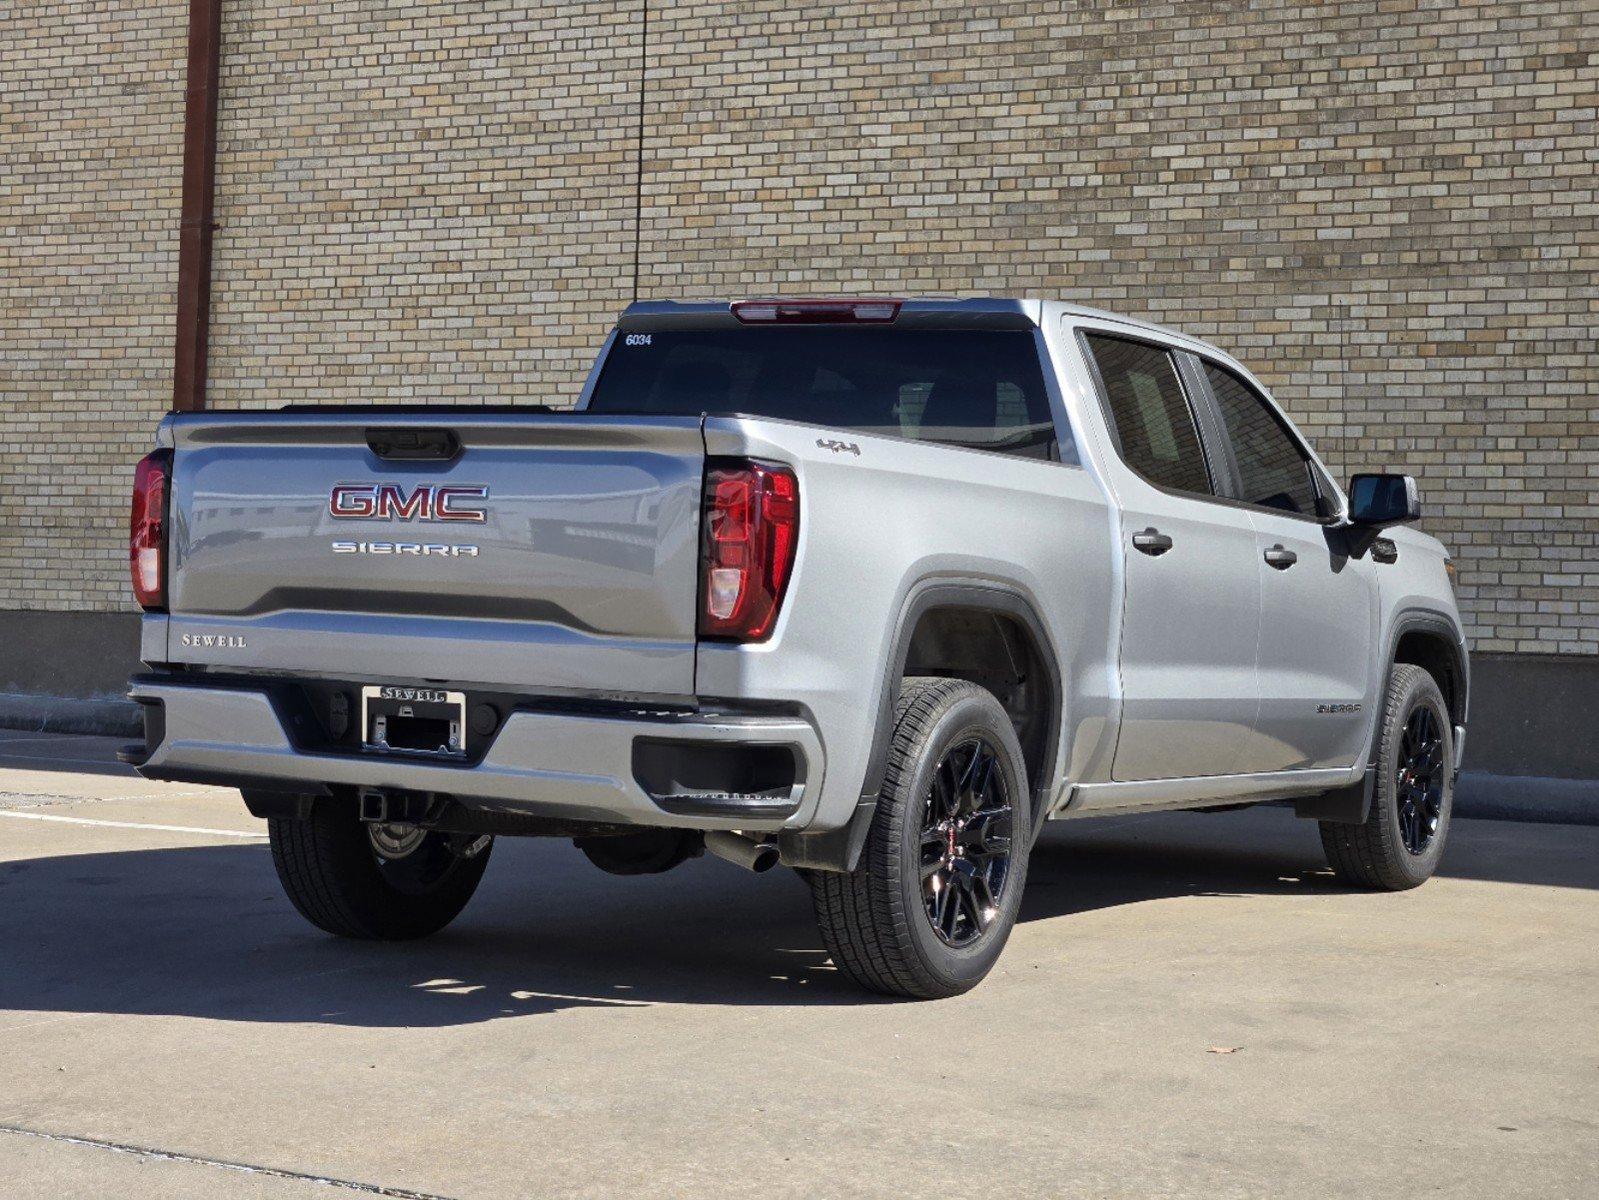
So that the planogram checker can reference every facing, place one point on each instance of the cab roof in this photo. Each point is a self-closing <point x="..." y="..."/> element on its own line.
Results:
<point x="915" y="312"/>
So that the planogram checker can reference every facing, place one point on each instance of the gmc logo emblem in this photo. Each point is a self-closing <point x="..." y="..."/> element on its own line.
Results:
<point x="391" y="502"/>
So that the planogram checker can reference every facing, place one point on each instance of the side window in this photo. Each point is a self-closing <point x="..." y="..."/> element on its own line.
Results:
<point x="1275" y="471"/>
<point x="1156" y="426"/>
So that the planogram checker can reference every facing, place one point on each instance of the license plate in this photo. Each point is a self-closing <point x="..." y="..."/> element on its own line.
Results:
<point x="413" y="720"/>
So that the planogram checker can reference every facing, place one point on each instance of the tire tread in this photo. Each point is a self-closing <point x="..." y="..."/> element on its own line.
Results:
<point x="305" y="868"/>
<point x="328" y="875"/>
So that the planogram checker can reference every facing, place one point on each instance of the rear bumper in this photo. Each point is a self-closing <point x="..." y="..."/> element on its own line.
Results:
<point x="624" y="769"/>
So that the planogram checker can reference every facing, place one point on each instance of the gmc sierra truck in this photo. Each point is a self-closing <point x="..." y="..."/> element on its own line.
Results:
<point x="868" y="587"/>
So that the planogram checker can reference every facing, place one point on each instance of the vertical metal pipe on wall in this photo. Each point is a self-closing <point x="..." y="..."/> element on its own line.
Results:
<point x="638" y="179"/>
<point x="199" y="197"/>
<point x="199" y="194"/>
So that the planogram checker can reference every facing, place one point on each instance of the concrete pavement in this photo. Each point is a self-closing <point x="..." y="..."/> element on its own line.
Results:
<point x="581" y="1035"/>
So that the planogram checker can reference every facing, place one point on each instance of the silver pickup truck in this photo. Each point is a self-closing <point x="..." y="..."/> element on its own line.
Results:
<point x="868" y="587"/>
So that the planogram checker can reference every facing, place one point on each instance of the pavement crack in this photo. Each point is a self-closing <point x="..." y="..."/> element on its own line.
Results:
<point x="221" y="1164"/>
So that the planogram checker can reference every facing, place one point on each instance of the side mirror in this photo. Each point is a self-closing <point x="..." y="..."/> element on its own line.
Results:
<point x="1381" y="500"/>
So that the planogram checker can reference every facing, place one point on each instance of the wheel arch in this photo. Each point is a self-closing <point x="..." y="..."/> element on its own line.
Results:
<point x="984" y="631"/>
<point x="1422" y="637"/>
<point x="1432" y="641"/>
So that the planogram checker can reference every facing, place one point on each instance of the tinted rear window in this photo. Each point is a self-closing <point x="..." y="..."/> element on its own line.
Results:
<point x="1156" y="427"/>
<point x="983" y="389"/>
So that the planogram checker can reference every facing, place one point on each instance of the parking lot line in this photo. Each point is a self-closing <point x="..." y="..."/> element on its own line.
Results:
<point x="227" y="833"/>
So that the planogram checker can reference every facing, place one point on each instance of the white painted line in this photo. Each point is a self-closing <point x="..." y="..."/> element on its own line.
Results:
<point x="228" y="833"/>
<point x="41" y="762"/>
<point x="27" y="737"/>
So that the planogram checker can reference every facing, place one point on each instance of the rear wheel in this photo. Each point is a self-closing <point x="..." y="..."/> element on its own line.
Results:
<point x="1402" y="839"/>
<point x="933" y="900"/>
<point x="361" y="880"/>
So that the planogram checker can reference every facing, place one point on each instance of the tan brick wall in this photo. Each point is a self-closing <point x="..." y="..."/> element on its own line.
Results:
<point x="1387" y="208"/>
<point x="424" y="201"/>
<point x="91" y="149"/>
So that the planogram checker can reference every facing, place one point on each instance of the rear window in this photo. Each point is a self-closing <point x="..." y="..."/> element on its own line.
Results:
<point x="983" y="389"/>
<point x="1156" y="427"/>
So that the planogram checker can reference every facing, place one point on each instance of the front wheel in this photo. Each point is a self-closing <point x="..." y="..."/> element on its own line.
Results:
<point x="375" y="882"/>
<point x="927" y="911"/>
<point x="1402" y="839"/>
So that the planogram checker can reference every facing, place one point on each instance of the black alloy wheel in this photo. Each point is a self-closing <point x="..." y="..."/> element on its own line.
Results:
<point x="966" y="843"/>
<point x="1418" y="781"/>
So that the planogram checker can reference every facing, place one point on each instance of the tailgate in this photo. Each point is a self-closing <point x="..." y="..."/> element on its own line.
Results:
<point x="549" y="552"/>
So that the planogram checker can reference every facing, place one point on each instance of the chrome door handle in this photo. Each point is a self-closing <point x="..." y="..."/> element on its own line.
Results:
<point x="1152" y="542"/>
<point x="1280" y="558"/>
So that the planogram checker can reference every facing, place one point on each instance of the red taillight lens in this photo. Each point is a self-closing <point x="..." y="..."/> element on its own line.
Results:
<point x="751" y="530"/>
<point x="147" y="529"/>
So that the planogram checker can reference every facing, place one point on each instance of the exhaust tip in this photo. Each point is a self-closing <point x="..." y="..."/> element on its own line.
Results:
<point x="742" y="851"/>
<point x="764" y="858"/>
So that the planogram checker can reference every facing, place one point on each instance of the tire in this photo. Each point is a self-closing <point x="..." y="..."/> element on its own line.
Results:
<point x="875" y="921"/>
<point x="1414" y="794"/>
<point x="332" y="871"/>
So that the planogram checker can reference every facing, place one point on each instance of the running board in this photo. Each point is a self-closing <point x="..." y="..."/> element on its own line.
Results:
<point x="1158" y="795"/>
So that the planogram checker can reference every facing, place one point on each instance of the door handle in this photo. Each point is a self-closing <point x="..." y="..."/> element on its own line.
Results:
<point x="1280" y="558"/>
<point x="1152" y="542"/>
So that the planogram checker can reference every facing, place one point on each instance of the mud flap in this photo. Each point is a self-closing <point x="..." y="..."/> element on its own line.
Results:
<point x="1343" y="806"/>
<point x="835" y="850"/>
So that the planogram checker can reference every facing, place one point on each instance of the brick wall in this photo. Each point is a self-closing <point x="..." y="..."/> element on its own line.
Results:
<point x="91" y="150"/>
<point x="421" y="201"/>
<point x="1388" y="209"/>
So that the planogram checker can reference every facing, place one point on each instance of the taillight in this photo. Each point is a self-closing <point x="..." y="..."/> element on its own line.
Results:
<point x="751" y="529"/>
<point x="147" y="529"/>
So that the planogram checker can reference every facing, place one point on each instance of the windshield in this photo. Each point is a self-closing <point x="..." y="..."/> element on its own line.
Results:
<point x="977" y="388"/>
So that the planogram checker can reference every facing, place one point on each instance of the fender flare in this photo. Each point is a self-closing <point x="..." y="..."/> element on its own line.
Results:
<point x="1351" y="804"/>
<point x="1431" y="620"/>
<point x="840" y="849"/>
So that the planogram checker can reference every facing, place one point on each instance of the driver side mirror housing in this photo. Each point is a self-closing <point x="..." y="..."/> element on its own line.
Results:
<point x="1377" y="501"/>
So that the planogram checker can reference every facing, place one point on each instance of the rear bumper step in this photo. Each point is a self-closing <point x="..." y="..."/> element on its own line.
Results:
<point x="704" y="771"/>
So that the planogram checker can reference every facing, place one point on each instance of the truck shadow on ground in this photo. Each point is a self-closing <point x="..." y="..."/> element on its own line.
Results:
<point x="206" y="932"/>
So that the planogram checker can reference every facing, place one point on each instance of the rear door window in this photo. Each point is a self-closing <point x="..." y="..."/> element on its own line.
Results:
<point x="1274" y="470"/>
<point x="982" y="389"/>
<point x="1150" y="410"/>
